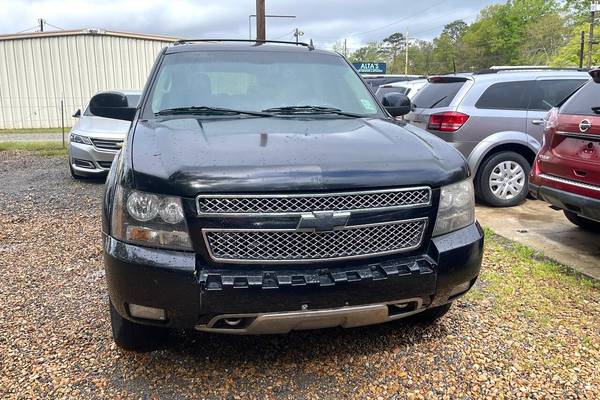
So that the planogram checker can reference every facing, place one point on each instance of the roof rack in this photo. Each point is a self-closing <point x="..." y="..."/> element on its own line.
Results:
<point x="495" y="70"/>
<point x="310" y="45"/>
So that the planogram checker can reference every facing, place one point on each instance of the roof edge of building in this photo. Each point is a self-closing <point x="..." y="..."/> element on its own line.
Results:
<point x="88" y="31"/>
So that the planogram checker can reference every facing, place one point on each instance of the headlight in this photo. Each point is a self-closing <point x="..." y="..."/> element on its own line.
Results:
<point x="456" y="209"/>
<point x="149" y="220"/>
<point x="80" y="139"/>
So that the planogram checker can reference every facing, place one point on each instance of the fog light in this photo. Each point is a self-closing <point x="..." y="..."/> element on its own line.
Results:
<point x="463" y="287"/>
<point x="144" y="312"/>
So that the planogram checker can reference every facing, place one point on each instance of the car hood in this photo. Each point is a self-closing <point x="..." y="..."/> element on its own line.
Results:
<point x="187" y="156"/>
<point x="99" y="127"/>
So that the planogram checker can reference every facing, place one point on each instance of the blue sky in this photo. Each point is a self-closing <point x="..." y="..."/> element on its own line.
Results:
<point x="324" y="21"/>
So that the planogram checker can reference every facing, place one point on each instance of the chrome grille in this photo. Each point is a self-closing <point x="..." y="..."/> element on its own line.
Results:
<point x="292" y="246"/>
<point x="302" y="203"/>
<point x="107" y="144"/>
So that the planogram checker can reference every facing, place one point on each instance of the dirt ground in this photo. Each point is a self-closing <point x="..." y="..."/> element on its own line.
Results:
<point x="529" y="329"/>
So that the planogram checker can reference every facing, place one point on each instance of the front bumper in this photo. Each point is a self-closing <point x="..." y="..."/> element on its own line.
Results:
<point x="584" y="206"/>
<point x="88" y="160"/>
<point x="268" y="299"/>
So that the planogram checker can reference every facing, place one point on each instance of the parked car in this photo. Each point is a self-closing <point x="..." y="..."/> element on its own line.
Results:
<point x="374" y="81"/>
<point x="495" y="119"/>
<point x="566" y="172"/>
<point x="409" y="88"/>
<point x="94" y="141"/>
<point x="290" y="200"/>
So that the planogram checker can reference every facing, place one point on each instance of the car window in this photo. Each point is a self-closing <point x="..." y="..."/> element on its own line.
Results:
<point x="548" y="93"/>
<point x="132" y="101"/>
<point x="581" y="103"/>
<point x="438" y="94"/>
<point x="258" y="80"/>
<point x="506" y="96"/>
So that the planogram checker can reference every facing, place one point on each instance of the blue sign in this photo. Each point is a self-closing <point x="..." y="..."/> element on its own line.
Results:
<point x="370" y="67"/>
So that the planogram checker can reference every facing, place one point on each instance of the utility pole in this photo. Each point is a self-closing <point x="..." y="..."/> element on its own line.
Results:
<point x="406" y="54"/>
<point x="297" y="34"/>
<point x="41" y="21"/>
<point x="346" y="48"/>
<point x="260" y="20"/>
<point x="582" y="50"/>
<point x="594" y="8"/>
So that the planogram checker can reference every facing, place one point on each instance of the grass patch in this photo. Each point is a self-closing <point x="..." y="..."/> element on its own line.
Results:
<point x="517" y="278"/>
<point x="40" y="148"/>
<point x="22" y="131"/>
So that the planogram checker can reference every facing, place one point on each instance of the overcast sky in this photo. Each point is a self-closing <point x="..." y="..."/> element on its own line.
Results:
<point x="325" y="21"/>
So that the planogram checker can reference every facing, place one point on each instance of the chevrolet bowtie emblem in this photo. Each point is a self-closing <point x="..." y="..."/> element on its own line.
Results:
<point x="321" y="221"/>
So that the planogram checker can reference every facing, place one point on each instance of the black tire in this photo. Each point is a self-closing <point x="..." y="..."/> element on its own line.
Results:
<point x="484" y="192"/>
<point x="587" y="224"/>
<point x="136" y="337"/>
<point x="431" y="315"/>
<point x="73" y="173"/>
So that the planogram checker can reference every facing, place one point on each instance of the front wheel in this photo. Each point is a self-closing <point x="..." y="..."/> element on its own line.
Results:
<point x="136" y="337"/>
<point x="581" y="222"/>
<point x="431" y="315"/>
<point x="502" y="180"/>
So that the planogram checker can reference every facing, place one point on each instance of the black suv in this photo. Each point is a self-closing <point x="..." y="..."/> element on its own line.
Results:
<point x="262" y="189"/>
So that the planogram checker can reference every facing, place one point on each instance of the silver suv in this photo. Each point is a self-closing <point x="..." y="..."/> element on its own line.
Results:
<point x="495" y="118"/>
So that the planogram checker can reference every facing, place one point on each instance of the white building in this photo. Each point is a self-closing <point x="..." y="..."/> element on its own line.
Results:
<point x="39" y="70"/>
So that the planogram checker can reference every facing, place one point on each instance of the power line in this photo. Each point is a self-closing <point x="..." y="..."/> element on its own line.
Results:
<point x="395" y="22"/>
<point x="28" y="29"/>
<point x="54" y="26"/>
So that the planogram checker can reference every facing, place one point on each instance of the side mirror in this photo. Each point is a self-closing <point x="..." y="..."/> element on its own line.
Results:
<point x="77" y="114"/>
<point x="595" y="73"/>
<point x="396" y="104"/>
<point x="112" y="105"/>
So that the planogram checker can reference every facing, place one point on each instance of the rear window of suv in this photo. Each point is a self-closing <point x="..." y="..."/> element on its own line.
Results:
<point x="581" y="103"/>
<point x="438" y="94"/>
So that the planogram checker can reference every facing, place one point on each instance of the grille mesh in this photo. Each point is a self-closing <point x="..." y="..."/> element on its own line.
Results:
<point x="297" y="246"/>
<point x="107" y="144"/>
<point x="307" y="203"/>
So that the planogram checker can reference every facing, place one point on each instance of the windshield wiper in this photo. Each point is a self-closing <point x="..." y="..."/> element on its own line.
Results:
<point x="311" y="110"/>
<point x="205" y="110"/>
<point x="596" y="110"/>
<point x="437" y="102"/>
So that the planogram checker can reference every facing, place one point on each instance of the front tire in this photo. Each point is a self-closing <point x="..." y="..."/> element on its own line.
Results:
<point x="73" y="173"/>
<point x="431" y="315"/>
<point x="136" y="337"/>
<point x="584" y="223"/>
<point x="503" y="179"/>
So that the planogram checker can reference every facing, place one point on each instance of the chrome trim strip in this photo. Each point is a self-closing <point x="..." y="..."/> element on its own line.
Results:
<point x="579" y="135"/>
<point x="284" y="322"/>
<point x="570" y="182"/>
<point x="296" y="195"/>
<point x="312" y="260"/>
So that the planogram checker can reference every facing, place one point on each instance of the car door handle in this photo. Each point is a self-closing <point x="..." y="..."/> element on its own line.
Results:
<point x="538" y="121"/>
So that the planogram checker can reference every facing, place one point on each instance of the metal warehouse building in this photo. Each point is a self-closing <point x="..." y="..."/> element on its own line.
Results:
<point x="40" y="71"/>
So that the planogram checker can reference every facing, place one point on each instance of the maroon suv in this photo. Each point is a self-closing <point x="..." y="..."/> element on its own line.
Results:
<point x="566" y="172"/>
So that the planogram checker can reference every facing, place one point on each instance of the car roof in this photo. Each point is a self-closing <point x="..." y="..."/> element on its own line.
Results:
<point x="126" y="92"/>
<point x="529" y="74"/>
<point x="407" y="83"/>
<point x="250" y="46"/>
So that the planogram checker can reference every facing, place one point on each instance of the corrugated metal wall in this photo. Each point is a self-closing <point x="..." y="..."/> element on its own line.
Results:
<point x="37" y="73"/>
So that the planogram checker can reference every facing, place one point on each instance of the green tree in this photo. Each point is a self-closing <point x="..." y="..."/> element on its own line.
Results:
<point x="372" y="52"/>
<point x="568" y="55"/>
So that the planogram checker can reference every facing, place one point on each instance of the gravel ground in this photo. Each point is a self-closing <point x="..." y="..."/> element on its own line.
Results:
<point x="528" y="330"/>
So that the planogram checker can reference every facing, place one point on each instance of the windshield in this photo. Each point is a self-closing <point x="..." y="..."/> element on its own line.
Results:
<point x="257" y="81"/>
<point x="132" y="101"/>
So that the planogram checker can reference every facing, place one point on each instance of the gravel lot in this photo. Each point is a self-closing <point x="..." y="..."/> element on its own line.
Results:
<point x="528" y="330"/>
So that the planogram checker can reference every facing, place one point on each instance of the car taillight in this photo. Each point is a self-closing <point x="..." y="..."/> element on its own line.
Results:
<point x="550" y="126"/>
<point x="450" y="121"/>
